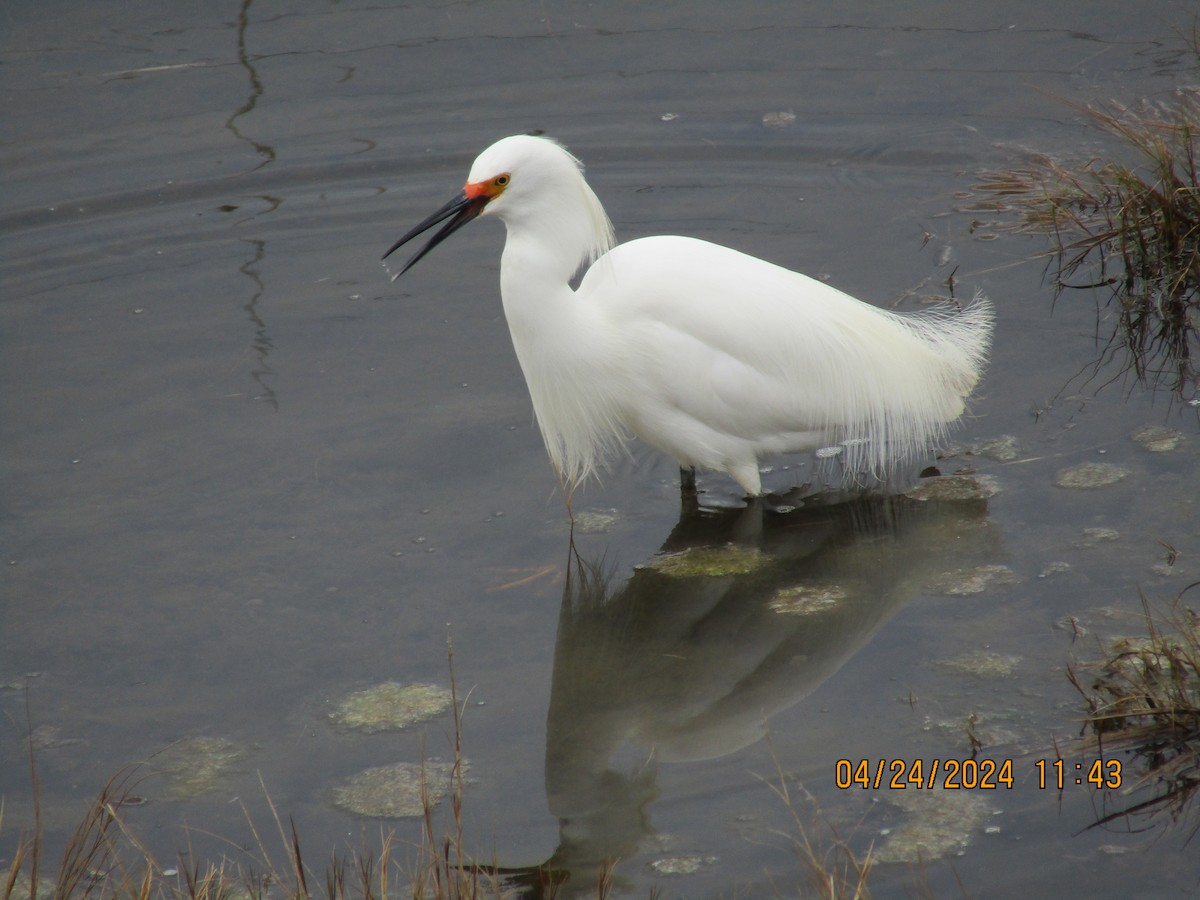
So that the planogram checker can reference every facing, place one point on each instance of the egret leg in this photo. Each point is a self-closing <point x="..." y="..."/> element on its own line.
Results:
<point x="689" y="497"/>
<point x="687" y="480"/>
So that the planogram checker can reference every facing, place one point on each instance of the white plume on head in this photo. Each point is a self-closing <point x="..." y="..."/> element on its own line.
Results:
<point x="548" y="186"/>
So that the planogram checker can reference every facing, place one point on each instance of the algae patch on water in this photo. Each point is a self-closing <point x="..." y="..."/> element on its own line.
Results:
<point x="984" y="664"/>
<point x="940" y="823"/>
<point x="395" y="791"/>
<point x="390" y="707"/>
<point x="807" y="599"/>
<point x="198" y="765"/>
<point x="1090" y="475"/>
<point x="1157" y="439"/>
<point x="962" y="582"/>
<point x="709" y="562"/>
<point x="595" y="521"/>
<point x="681" y="865"/>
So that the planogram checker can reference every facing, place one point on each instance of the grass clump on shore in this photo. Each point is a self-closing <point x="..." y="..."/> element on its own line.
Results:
<point x="1131" y="228"/>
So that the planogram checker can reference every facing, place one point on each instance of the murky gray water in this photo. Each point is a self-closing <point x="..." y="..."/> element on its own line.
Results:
<point x="245" y="476"/>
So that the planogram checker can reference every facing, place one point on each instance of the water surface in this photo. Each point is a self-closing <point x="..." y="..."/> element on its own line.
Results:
<point x="244" y="475"/>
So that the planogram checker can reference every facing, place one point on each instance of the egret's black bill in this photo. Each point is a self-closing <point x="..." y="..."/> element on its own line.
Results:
<point x="462" y="208"/>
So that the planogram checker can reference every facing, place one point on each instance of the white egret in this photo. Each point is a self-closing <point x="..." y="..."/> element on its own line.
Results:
<point x="714" y="357"/>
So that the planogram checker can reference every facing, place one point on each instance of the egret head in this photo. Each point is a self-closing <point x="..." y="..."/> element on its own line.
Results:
<point x="525" y="180"/>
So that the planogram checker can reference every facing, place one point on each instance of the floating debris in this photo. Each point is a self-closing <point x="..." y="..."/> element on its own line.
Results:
<point x="1058" y="567"/>
<point x="49" y="737"/>
<point x="681" y="865"/>
<point x="1090" y="475"/>
<point x="961" y="582"/>
<point x="1002" y="449"/>
<point x="595" y="521"/>
<point x="198" y="765"/>
<point x="1157" y="439"/>
<point x="708" y="562"/>
<point x="20" y="684"/>
<point x="941" y="824"/>
<point x="983" y="663"/>
<point x="807" y="599"/>
<point x="1093" y="536"/>
<point x="391" y="706"/>
<point x="394" y="791"/>
<point x="1071" y="624"/>
<point x="955" y="488"/>
<point x="779" y="119"/>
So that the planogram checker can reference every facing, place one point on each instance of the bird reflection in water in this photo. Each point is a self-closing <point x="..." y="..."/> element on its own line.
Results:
<point x="677" y="665"/>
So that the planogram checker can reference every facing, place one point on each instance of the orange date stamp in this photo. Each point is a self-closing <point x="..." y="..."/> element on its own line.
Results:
<point x="971" y="774"/>
<point x="923" y="774"/>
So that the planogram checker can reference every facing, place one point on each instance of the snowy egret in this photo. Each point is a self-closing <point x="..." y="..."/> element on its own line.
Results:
<point x="714" y="357"/>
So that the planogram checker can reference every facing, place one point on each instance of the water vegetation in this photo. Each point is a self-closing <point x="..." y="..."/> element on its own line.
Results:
<point x="1142" y="700"/>
<point x="390" y="707"/>
<point x="1126" y="227"/>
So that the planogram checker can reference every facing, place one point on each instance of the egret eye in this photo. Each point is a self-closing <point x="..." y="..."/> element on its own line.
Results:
<point x="500" y="181"/>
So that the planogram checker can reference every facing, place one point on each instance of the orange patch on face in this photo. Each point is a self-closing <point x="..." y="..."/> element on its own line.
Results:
<point x="490" y="188"/>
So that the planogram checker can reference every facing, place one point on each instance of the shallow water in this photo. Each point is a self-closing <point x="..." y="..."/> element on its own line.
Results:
<point x="244" y="476"/>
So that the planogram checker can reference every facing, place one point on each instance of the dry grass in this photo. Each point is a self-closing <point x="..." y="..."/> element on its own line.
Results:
<point x="833" y="868"/>
<point x="1131" y="229"/>
<point x="1143" y="699"/>
<point x="103" y="858"/>
<point x="835" y="871"/>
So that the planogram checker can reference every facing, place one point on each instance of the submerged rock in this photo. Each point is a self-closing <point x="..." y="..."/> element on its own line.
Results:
<point x="1090" y="475"/>
<point x="955" y="488"/>
<point x="390" y="706"/>
<point x="395" y="791"/>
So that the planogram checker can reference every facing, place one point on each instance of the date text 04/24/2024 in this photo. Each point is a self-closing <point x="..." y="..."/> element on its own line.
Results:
<point x="971" y="774"/>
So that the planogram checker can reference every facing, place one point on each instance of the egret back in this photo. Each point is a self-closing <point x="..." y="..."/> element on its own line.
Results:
<point x="726" y="358"/>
